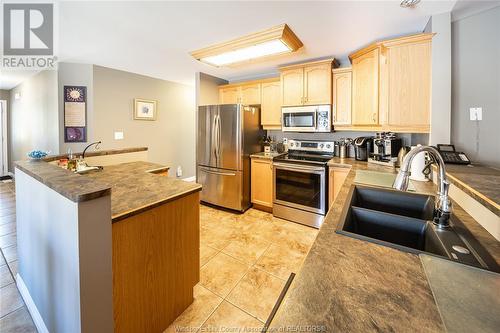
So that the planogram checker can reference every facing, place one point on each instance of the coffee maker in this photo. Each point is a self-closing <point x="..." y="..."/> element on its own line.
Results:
<point x="386" y="147"/>
<point x="363" y="147"/>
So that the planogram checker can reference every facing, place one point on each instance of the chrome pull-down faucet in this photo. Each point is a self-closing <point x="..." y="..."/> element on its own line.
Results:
<point x="90" y="145"/>
<point x="442" y="210"/>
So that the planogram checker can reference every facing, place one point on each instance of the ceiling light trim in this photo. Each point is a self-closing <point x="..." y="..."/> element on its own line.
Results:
<point x="281" y="32"/>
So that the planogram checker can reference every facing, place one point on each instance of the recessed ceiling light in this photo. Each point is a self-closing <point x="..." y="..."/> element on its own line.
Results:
<point x="270" y="42"/>
<point x="409" y="3"/>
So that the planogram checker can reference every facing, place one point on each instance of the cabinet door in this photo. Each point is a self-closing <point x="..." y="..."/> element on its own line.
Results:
<point x="262" y="182"/>
<point x="337" y="177"/>
<point x="292" y="87"/>
<point x="250" y="94"/>
<point x="229" y="95"/>
<point x="365" y="76"/>
<point x="270" y="112"/>
<point x="342" y="97"/>
<point x="318" y="84"/>
<point x="409" y="90"/>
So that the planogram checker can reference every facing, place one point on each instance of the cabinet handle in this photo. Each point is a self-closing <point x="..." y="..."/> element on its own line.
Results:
<point x="374" y="118"/>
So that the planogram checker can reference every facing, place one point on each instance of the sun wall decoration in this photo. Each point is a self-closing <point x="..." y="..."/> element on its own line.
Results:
<point x="75" y="114"/>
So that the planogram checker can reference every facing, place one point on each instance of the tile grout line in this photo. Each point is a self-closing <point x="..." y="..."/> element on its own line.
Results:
<point x="22" y="305"/>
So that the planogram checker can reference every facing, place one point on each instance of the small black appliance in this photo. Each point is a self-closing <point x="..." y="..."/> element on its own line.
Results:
<point x="363" y="147"/>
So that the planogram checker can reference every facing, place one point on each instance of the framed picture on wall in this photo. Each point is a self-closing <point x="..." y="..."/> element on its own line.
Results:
<point x="75" y="114"/>
<point x="144" y="109"/>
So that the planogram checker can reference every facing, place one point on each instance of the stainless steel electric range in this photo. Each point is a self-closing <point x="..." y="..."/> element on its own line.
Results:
<point x="300" y="182"/>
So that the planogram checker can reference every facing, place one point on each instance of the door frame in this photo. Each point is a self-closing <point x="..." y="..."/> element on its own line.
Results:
<point x="5" y="162"/>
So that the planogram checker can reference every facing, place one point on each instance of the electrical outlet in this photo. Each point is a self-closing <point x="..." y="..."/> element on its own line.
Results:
<point x="179" y="171"/>
<point x="476" y="113"/>
<point x="118" y="135"/>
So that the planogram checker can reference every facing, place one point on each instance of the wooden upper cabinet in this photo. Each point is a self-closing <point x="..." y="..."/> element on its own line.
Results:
<point x="250" y="94"/>
<point x="409" y="85"/>
<point x="365" y="85"/>
<point x="270" y="108"/>
<point x="292" y="87"/>
<point x="318" y="84"/>
<point x="229" y="95"/>
<point x="243" y="94"/>
<point x="342" y="96"/>
<point x="307" y="84"/>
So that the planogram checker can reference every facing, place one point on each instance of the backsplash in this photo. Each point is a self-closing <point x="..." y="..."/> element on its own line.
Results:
<point x="409" y="139"/>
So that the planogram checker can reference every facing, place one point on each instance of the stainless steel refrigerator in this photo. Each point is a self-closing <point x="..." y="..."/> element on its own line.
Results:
<point x="227" y="135"/>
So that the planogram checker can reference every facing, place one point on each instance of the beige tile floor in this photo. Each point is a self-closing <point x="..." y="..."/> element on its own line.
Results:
<point x="245" y="261"/>
<point x="14" y="317"/>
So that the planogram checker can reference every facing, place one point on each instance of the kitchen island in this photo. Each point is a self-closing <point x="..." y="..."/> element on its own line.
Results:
<point x="346" y="284"/>
<point x="113" y="250"/>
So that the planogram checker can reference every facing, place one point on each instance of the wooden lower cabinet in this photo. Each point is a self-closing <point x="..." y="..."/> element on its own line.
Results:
<point x="262" y="182"/>
<point x="156" y="264"/>
<point x="336" y="179"/>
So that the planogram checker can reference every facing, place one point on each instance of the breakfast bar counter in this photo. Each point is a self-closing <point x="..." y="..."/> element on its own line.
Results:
<point x="346" y="284"/>
<point x="121" y="243"/>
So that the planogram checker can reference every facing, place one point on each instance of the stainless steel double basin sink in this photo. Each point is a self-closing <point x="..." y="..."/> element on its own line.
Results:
<point x="403" y="220"/>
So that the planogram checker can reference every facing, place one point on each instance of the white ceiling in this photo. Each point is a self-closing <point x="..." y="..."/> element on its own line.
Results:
<point x="155" y="38"/>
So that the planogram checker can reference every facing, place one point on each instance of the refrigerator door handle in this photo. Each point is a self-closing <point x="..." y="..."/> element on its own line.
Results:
<point x="212" y="139"/>
<point x="218" y="172"/>
<point x="219" y="136"/>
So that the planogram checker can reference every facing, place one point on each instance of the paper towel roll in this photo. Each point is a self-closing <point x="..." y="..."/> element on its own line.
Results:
<point x="417" y="166"/>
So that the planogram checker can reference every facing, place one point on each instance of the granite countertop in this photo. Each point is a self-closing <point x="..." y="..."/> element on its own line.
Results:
<point x="134" y="190"/>
<point x="479" y="181"/>
<point x="269" y="156"/>
<point x="69" y="184"/>
<point x="346" y="284"/>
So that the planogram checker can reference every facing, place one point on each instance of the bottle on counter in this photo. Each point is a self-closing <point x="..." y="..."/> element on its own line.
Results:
<point x="71" y="161"/>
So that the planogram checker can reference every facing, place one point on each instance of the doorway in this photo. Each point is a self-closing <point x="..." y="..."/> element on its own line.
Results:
<point x="3" y="139"/>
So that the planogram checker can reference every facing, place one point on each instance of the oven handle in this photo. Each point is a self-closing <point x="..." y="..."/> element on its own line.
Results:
<point x="298" y="168"/>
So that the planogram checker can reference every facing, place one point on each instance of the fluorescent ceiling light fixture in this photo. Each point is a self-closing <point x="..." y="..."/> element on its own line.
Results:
<point x="275" y="41"/>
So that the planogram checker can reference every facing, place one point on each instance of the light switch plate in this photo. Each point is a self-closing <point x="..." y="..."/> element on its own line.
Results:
<point x="476" y="113"/>
<point x="118" y="135"/>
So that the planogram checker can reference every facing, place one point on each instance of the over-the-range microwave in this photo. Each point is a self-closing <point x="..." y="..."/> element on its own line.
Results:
<point x="311" y="118"/>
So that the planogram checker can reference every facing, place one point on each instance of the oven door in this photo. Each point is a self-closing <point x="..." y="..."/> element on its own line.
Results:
<point x="300" y="186"/>
<point x="299" y="121"/>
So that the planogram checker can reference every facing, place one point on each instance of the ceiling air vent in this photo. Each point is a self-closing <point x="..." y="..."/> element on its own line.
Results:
<point x="409" y="3"/>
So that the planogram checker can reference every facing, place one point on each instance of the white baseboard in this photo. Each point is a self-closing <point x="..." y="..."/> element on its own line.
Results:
<point x="190" y="179"/>
<point x="35" y="315"/>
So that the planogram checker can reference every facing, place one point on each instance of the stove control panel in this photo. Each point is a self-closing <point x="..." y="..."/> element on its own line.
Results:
<point x="311" y="146"/>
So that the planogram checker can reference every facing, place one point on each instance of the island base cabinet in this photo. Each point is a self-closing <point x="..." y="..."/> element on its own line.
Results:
<point x="155" y="265"/>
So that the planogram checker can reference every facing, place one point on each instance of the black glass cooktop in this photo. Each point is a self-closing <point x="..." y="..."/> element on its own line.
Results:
<point x="305" y="157"/>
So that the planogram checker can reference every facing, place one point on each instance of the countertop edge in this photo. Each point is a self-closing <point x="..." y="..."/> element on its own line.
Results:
<point x="483" y="199"/>
<point x="99" y="153"/>
<point x="125" y="215"/>
<point x="87" y="190"/>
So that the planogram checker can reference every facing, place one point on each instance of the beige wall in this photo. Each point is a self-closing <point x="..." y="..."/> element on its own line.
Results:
<point x="170" y="139"/>
<point x="33" y="120"/>
<point x="207" y="89"/>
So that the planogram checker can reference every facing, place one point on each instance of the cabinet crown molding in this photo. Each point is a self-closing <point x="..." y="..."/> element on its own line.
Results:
<point x="333" y="61"/>
<point x="415" y="38"/>
<point x="246" y="83"/>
